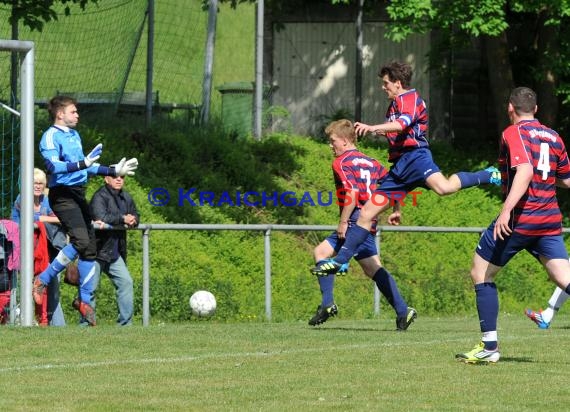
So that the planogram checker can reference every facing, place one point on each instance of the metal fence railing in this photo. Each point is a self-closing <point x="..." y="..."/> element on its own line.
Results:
<point x="267" y="229"/>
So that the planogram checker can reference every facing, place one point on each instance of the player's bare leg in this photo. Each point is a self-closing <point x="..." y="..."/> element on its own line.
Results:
<point x="462" y="180"/>
<point x="442" y="185"/>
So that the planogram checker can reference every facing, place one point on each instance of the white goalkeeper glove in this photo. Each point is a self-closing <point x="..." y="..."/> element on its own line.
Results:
<point x="126" y="167"/>
<point x="94" y="155"/>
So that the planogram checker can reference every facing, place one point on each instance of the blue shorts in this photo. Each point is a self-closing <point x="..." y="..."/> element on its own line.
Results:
<point x="365" y="250"/>
<point x="409" y="172"/>
<point x="499" y="252"/>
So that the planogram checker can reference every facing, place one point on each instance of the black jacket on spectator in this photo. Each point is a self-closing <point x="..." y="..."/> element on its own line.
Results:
<point x="110" y="206"/>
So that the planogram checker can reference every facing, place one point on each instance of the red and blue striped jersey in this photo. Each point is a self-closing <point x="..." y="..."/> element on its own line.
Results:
<point x="353" y="170"/>
<point x="537" y="213"/>
<point x="410" y="110"/>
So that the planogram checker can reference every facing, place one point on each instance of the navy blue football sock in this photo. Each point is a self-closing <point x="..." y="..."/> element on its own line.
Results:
<point x="355" y="236"/>
<point x="387" y="286"/>
<point x="470" y="179"/>
<point x="326" y="284"/>
<point x="487" y="300"/>
<point x="567" y="290"/>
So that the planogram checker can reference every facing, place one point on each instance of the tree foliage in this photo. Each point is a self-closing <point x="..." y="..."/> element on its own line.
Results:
<point x="525" y="42"/>
<point x="473" y="17"/>
<point x="34" y="13"/>
<point x="483" y="17"/>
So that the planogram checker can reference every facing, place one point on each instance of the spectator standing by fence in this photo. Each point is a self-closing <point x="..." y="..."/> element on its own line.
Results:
<point x="112" y="206"/>
<point x="43" y="214"/>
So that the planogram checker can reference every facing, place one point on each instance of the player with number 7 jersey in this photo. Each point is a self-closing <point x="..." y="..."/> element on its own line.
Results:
<point x="353" y="170"/>
<point x="356" y="177"/>
<point x="537" y="212"/>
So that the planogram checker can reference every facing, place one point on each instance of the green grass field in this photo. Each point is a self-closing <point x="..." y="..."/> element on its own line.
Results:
<point x="342" y="365"/>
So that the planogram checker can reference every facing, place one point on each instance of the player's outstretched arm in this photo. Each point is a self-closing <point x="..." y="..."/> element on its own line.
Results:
<point x="362" y="128"/>
<point x="55" y="166"/>
<point x="123" y="168"/>
<point x="380" y="129"/>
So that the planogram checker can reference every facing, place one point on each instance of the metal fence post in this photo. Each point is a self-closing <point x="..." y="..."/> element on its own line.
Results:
<point x="267" y="265"/>
<point x="146" y="277"/>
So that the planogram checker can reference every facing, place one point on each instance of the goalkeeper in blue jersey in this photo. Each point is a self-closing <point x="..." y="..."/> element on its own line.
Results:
<point x="68" y="170"/>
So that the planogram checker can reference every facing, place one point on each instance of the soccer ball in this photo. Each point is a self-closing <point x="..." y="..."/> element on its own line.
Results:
<point x="203" y="303"/>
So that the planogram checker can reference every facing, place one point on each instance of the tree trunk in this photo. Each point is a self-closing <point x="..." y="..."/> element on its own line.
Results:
<point x="547" y="52"/>
<point x="500" y="77"/>
<point x="358" y="68"/>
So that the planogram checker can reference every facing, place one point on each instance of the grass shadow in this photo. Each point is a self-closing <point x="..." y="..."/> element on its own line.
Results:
<point x="517" y="359"/>
<point x="353" y="329"/>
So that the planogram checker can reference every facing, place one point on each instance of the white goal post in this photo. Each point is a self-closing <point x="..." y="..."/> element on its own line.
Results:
<point x="26" y="51"/>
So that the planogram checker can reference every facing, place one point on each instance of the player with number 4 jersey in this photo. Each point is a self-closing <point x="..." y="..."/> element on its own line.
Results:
<point x="533" y="161"/>
<point x="537" y="212"/>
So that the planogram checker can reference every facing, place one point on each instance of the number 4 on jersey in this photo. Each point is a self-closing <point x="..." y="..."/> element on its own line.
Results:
<point x="544" y="160"/>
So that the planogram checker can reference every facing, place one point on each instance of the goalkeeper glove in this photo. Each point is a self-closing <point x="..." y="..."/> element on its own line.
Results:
<point x="126" y="167"/>
<point x="94" y="155"/>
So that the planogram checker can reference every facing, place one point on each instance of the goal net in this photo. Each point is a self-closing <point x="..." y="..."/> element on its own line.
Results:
<point x="103" y="48"/>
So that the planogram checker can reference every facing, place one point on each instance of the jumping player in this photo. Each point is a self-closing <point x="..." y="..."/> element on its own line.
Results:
<point x="413" y="166"/>
<point x="69" y="169"/>
<point x="355" y="176"/>
<point x="532" y="160"/>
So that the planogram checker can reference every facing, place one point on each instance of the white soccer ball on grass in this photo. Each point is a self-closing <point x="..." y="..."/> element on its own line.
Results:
<point x="203" y="303"/>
